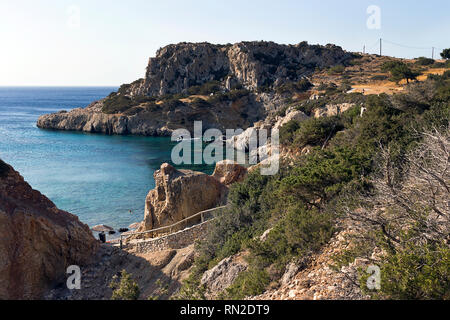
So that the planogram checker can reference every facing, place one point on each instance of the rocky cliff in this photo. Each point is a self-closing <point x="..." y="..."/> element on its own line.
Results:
<point x="178" y="67"/>
<point x="37" y="240"/>
<point x="220" y="85"/>
<point x="180" y="194"/>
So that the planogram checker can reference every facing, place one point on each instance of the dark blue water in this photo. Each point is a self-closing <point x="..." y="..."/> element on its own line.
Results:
<point x="99" y="178"/>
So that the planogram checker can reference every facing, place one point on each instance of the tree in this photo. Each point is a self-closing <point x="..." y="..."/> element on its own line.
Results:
<point x="125" y="288"/>
<point x="408" y="217"/>
<point x="399" y="71"/>
<point x="445" y="54"/>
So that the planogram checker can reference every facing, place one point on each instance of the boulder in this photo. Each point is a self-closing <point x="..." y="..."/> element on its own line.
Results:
<point x="228" y="172"/>
<point x="223" y="275"/>
<point x="332" y="110"/>
<point x="37" y="240"/>
<point x="180" y="194"/>
<point x="295" y="115"/>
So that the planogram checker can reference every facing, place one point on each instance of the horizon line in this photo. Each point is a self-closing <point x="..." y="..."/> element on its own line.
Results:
<point x="58" y="86"/>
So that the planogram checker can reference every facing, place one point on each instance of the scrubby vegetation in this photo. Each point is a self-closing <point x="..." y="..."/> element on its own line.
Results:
<point x="303" y="203"/>
<point x="228" y="96"/>
<point x="124" y="287"/>
<point x="423" y="61"/>
<point x="294" y="87"/>
<point x="399" y="71"/>
<point x="336" y="69"/>
<point x="445" y="54"/>
<point x="205" y="89"/>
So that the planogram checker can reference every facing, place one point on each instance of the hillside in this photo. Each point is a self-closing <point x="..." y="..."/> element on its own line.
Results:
<point x="364" y="182"/>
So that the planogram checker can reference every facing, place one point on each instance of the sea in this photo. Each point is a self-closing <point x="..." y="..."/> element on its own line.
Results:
<point x="100" y="178"/>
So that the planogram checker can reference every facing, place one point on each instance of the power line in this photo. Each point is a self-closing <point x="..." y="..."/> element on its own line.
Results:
<point x="379" y="43"/>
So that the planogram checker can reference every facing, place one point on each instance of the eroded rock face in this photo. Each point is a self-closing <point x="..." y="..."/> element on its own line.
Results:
<point x="180" y="194"/>
<point x="37" y="240"/>
<point x="229" y="172"/>
<point x="253" y="64"/>
<point x="176" y="68"/>
<point x="291" y="115"/>
<point x="240" y="113"/>
<point x="222" y="276"/>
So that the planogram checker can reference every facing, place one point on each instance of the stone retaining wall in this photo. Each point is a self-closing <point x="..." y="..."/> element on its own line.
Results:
<point x="177" y="240"/>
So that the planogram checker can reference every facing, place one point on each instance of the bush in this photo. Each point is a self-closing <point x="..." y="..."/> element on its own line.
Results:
<point x="119" y="103"/>
<point x="232" y="96"/>
<point x="287" y="132"/>
<point x="248" y="283"/>
<point x="316" y="131"/>
<point x="423" y="61"/>
<point x="295" y="87"/>
<point x="379" y="77"/>
<point x="445" y="54"/>
<point x="416" y="273"/>
<point x="124" y="288"/>
<point x="206" y="88"/>
<point x="339" y="69"/>
<point x="299" y="233"/>
<point x="399" y="71"/>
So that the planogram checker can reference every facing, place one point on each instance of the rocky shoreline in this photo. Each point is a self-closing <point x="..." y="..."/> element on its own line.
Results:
<point x="224" y="86"/>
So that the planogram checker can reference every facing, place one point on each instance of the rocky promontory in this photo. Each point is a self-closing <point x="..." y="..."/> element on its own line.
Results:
<point x="224" y="86"/>
<point x="37" y="240"/>
<point x="179" y="194"/>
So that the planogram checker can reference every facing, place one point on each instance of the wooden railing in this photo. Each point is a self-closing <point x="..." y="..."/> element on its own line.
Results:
<point x="205" y="215"/>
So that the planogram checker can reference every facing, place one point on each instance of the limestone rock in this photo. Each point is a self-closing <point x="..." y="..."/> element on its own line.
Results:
<point x="228" y="172"/>
<point x="332" y="110"/>
<point x="180" y="194"/>
<point x="223" y="275"/>
<point x="178" y="67"/>
<point x="295" y="115"/>
<point x="37" y="240"/>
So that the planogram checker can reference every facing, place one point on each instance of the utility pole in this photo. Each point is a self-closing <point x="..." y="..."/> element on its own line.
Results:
<point x="381" y="46"/>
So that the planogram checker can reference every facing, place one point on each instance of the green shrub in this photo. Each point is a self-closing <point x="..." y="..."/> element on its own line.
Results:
<point x="339" y="69"/>
<point x="232" y="96"/>
<point x="322" y="175"/>
<point x="300" y="232"/>
<point x="295" y="87"/>
<point x="399" y="71"/>
<point x="379" y="77"/>
<point x="423" y="61"/>
<point x="287" y="132"/>
<point x="206" y="88"/>
<point x="248" y="283"/>
<point x="445" y="54"/>
<point x="414" y="273"/>
<point x="124" y="288"/>
<point x="316" y="131"/>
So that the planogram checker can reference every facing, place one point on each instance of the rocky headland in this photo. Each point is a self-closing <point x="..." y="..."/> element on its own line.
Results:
<point x="224" y="86"/>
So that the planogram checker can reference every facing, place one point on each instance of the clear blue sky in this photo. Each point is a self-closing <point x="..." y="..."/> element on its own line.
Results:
<point x="42" y="43"/>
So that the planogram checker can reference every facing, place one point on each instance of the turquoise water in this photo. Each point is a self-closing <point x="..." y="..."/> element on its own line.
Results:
<point x="99" y="178"/>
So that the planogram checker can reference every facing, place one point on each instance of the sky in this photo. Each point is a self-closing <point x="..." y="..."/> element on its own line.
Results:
<point x="107" y="43"/>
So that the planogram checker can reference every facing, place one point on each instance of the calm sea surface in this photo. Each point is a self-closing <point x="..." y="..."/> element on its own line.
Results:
<point x="97" y="177"/>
